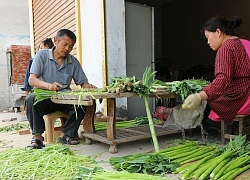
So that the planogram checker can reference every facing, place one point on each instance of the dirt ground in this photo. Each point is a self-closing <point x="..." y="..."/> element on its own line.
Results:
<point x="12" y="139"/>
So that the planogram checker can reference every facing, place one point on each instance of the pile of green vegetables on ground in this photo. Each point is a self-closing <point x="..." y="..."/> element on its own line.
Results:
<point x="14" y="127"/>
<point x="53" y="162"/>
<point x="191" y="160"/>
<point x="57" y="162"/>
<point x="99" y="126"/>
<point x="98" y="173"/>
<point x="224" y="163"/>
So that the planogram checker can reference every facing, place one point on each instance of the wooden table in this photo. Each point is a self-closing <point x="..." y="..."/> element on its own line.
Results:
<point x="112" y="136"/>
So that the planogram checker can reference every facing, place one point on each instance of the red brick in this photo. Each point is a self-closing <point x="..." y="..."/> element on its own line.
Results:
<point x="24" y="131"/>
<point x="20" y="60"/>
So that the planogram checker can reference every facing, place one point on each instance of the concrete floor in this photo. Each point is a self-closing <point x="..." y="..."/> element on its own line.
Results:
<point x="97" y="149"/>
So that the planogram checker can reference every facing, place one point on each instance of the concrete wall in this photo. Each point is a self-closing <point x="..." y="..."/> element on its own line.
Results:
<point x="14" y="29"/>
<point x="91" y="29"/>
<point x="93" y="49"/>
<point x="181" y="24"/>
<point x="116" y="48"/>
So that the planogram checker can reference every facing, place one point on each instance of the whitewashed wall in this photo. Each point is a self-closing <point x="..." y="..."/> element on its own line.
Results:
<point x="116" y="48"/>
<point x="92" y="49"/>
<point x="14" y="21"/>
<point x="115" y="22"/>
<point x="92" y="41"/>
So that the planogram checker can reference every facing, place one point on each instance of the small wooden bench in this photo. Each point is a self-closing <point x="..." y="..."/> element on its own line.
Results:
<point x="243" y="122"/>
<point x="52" y="131"/>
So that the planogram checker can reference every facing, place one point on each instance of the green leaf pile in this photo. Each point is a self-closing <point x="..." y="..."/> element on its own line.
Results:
<point x="186" y="87"/>
<point x="144" y="163"/>
<point x="14" y="127"/>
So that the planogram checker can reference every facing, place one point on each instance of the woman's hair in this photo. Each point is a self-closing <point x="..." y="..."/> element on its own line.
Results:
<point x="226" y="26"/>
<point x="48" y="42"/>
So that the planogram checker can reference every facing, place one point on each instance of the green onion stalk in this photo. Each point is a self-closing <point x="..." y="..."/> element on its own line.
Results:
<point x="151" y="124"/>
<point x="143" y="90"/>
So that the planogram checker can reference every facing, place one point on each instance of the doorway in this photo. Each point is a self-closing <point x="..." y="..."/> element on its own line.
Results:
<point x="139" y="50"/>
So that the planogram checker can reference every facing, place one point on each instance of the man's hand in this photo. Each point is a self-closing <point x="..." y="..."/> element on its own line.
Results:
<point x="192" y="101"/>
<point x="54" y="87"/>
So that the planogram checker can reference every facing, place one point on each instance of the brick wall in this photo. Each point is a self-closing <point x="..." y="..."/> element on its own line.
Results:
<point x="20" y="60"/>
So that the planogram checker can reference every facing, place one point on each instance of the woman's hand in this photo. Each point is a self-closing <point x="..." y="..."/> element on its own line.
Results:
<point x="192" y="101"/>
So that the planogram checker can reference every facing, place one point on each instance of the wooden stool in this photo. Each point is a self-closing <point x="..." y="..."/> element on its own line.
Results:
<point x="52" y="132"/>
<point x="242" y="123"/>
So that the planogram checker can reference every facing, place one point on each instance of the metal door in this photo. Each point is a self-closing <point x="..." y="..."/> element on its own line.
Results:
<point x="139" y="49"/>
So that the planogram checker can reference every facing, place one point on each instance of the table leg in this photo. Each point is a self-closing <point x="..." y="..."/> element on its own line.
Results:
<point x="111" y="128"/>
<point x="88" y="122"/>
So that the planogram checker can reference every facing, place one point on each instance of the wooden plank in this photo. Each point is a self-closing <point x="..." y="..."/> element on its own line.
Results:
<point x="74" y="101"/>
<point x="130" y="134"/>
<point x="163" y="94"/>
<point x="135" y="131"/>
<point x="90" y="96"/>
<point x="104" y="95"/>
